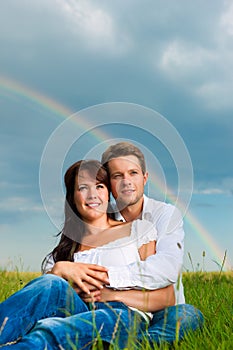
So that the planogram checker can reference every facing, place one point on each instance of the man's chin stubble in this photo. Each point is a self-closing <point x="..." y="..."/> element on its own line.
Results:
<point x="121" y="204"/>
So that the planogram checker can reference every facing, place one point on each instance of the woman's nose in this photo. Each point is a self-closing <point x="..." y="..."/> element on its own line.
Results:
<point x="92" y="193"/>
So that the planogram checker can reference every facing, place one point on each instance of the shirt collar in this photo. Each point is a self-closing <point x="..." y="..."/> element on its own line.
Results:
<point x="145" y="212"/>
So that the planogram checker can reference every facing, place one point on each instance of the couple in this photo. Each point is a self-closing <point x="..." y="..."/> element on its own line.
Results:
<point x="103" y="258"/>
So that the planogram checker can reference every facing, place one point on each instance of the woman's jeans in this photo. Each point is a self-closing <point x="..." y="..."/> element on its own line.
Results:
<point x="48" y="314"/>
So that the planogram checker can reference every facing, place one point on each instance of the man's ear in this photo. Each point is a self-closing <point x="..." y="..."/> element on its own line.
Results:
<point x="145" y="176"/>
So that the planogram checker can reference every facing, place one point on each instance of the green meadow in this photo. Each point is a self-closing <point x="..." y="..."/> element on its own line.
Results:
<point x="211" y="292"/>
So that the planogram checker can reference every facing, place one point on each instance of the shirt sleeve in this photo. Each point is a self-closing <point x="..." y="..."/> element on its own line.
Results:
<point x="162" y="268"/>
<point x="143" y="232"/>
<point x="48" y="263"/>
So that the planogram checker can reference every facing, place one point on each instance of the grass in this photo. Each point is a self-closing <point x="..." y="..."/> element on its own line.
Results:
<point x="11" y="282"/>
<point x="210" y="292"/>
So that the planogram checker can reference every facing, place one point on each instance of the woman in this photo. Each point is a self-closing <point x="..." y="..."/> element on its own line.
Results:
<point x="86" y="215"/>
<point x="89" y="236"/>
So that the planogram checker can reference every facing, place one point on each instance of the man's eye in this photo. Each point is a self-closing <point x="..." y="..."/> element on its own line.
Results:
<point x="116" y="176"/>
<point x="134" y="172"/>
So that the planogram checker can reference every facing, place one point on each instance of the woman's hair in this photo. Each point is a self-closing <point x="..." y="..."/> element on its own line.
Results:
<point x="73" y="228"/>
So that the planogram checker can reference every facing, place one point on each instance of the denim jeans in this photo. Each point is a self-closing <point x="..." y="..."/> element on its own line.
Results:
<point x="48" y="314"/>
<point x="171" y="324"/>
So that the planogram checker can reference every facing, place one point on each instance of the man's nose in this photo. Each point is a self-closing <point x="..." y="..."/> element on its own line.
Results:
<point x="126" y="180"/>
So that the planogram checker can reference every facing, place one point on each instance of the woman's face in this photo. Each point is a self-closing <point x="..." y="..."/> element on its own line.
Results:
<point x="90" y="197"/>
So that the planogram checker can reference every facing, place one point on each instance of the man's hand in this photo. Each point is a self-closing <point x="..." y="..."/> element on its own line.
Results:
<point x="85" y="277"/>
<point x="103" y="295"/>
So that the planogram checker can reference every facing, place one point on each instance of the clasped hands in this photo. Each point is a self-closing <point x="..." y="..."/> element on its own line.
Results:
<point x="88" y="280"/>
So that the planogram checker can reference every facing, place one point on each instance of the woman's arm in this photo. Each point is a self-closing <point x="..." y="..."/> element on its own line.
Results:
<point x="79" y="273"/>
<point x="149" y="301"/>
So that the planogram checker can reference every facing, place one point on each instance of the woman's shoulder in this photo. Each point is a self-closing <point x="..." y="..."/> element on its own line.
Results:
<point x="116" y="223"/>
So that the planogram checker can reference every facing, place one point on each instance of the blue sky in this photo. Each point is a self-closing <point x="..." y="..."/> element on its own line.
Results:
<point x="60" y="57"/>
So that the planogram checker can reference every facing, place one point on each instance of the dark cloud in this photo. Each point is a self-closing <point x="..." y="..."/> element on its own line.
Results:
<point x="173" y="57"/>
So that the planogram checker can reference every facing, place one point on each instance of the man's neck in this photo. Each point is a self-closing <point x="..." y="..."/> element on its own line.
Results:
<point x="133" y="212"/>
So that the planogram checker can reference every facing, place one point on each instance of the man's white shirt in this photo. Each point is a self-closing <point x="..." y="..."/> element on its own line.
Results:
<point x="164" y="267"/>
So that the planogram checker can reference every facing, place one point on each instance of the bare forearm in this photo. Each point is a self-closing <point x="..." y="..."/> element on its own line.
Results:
<point x="147" y="300"/>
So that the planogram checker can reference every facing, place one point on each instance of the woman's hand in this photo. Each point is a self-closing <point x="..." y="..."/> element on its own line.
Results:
<point x="85" y="277"/>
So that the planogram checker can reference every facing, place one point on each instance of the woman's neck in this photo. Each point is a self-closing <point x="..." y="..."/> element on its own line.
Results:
<point x="99" y="236"/>
<point x="93" y="230"/>
<point x="96" y="226"/>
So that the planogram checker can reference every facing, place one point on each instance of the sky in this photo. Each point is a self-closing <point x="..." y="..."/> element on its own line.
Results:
<point x="76" y="76"/>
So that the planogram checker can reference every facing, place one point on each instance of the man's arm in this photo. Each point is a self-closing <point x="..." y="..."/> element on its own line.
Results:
<point x="148" y="301"/>
<point x="162" y="268"/>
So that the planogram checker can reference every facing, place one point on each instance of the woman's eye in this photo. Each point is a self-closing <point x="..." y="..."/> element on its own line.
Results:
<point x="82" y="188"/>
<point x="100" y="186"/>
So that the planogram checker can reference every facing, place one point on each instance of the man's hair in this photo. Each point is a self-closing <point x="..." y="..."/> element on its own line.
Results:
<point x="123" y="149"/>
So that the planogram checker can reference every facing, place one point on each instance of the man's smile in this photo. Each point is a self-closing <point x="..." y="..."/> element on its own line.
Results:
<point x="127" y="191"/>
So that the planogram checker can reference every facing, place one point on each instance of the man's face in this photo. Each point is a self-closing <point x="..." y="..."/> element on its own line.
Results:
<point x="127" y="180"/>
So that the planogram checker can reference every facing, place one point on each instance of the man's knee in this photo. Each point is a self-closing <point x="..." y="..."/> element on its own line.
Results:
<point x="174" y="322"/>
<point x="189" y="317"/>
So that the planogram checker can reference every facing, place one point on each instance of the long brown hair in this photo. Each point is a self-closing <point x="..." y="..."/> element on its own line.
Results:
<point x="73" y="228"/>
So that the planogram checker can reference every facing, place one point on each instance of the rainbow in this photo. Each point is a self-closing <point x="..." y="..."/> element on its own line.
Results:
<point x="197" y="227"/>
<point x="16" y="88"/>
<point x="13" y="87"/>
<point x="208" y="240"/>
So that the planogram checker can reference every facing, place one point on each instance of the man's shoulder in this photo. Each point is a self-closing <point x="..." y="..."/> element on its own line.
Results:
<point x="162" y="213"/>
<point x="151" y="203"/>
<point x="153" y="206"/>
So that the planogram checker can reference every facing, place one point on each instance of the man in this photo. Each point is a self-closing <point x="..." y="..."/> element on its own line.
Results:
<point x="128" y="176"/>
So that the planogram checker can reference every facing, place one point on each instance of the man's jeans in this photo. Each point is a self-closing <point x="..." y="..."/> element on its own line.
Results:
<point x="48" y="314"/>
